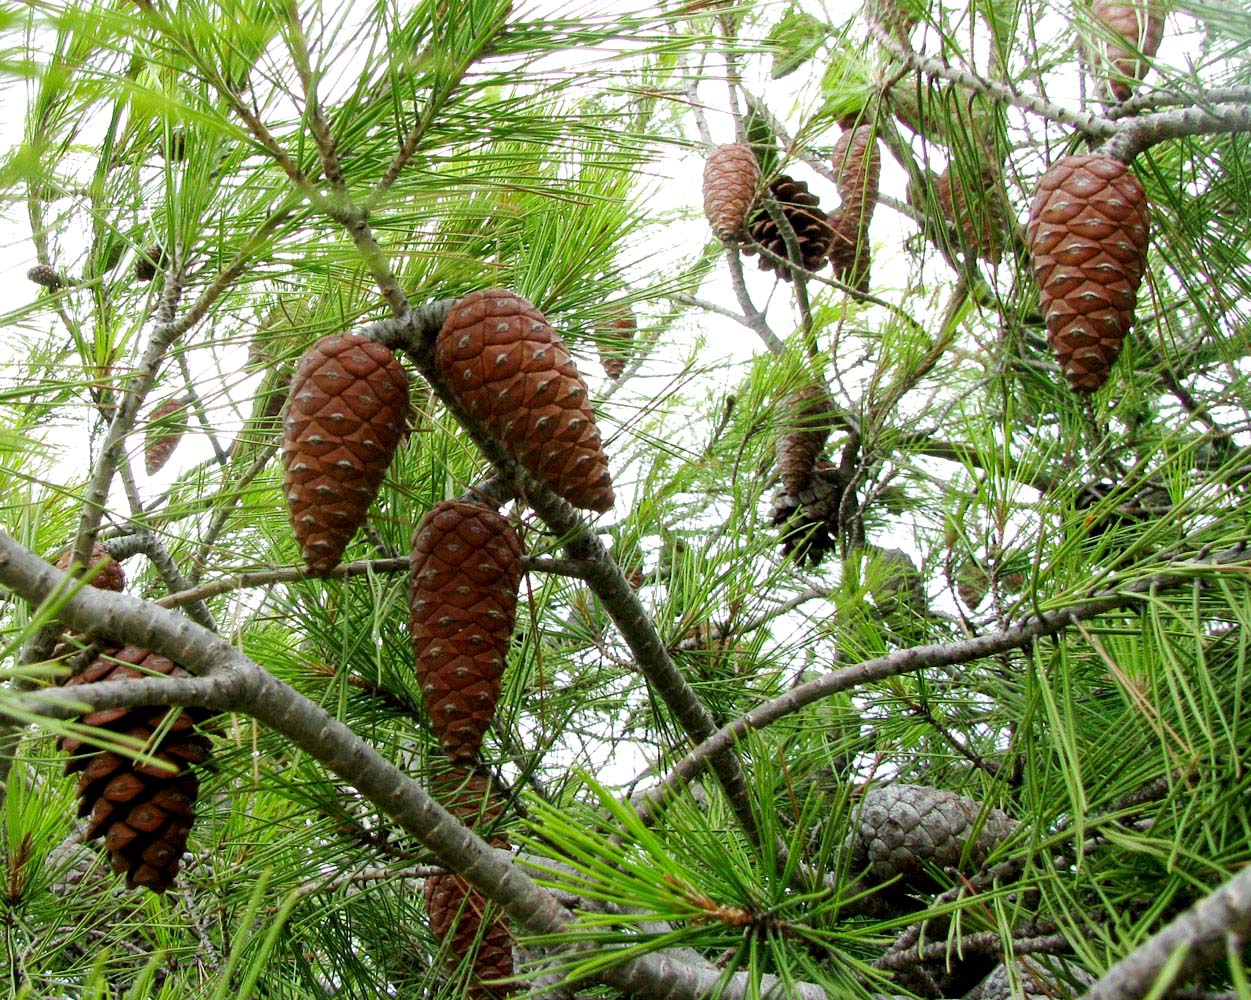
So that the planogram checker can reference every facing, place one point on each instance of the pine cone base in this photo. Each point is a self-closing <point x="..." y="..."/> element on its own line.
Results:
<point x="473" y="930"/>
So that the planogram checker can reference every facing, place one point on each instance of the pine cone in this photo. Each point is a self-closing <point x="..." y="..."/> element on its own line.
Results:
<point x="803" y="211"/>
<point x="1088" y="235"/>
<point x="110" y="577"/>
<point x="466" y="568"/>
<point x="615" y="334"/>
<point x="456" y="917"/>
<point x="857" y="165"/>
<point x="345" y="415"/>
<point x="978" y="216"/>
<point x="810" y="519"/>
<point x="807" y="426"/>
<point x="850" y="252"/>
<point x="1124" y="35"/>
<point x="143" y="812"/>
<point x="149" y="261"/>
<point x="165" y="430"/>
<point x="471" y="796"/>
<point x="45" y="275"/>
<point x="731" y="176"/>
<point x="513" y="373"/>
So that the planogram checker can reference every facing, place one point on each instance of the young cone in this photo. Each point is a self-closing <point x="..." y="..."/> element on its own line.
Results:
<point x="803" y="211"/>
<point x="345" y="416"/>
<point x="1125" y="34"/>
<point x="513" y="373"/>
<point x="144" y="812"/>
<point x="456" y="914"/>
<point x="731" y="176"/>
<point x="616" y="332"/>
<point x="46" y="276"/>
<point x="800" y="444"/>
<point x="466" y="568"/>
<point x="1088" y="235"/>
<point x="164" y="432"/>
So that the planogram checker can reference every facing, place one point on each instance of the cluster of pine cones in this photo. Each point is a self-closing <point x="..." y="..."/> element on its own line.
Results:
<point x="1087" y="236"/>
<point x="348" y="404"/>
<point x="346" y="414"/>
<point x="740" y="212"/>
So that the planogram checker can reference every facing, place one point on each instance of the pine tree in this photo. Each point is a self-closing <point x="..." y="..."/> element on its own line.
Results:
<point x="936" y="692"/>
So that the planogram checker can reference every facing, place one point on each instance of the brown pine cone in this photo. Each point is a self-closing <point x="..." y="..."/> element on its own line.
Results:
<point x="857" y="165"/>
<point x="1124" y="35"/>
<point x="731" y="176"/>
<point x="803" y="211"/>
<point x="513" y="373"/>
<point x="466" y="568"/>
<point x="850" y="252"/>
<point x="979" y="217"/>
<point x="144" y="812"/>
<point x="456" y="914"/>
<point x="150" y="260"/>
<point x="807" y="425"/>
<point x="810" y="519"/>
<point x="471" y="796"/>
<point x="109" y="577"/>
<point x="1088" y="236"/>
<point x="615" y="333"/>
<point x="165" y="430"/>
<point x="345" y="416"/>
<point x="46" y="276"/>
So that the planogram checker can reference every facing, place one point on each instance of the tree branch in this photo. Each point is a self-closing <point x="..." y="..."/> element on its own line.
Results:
<point x="1215" y="925"/>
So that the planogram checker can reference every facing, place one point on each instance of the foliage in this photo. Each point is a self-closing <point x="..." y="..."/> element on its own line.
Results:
<point x="1030" y="599"/>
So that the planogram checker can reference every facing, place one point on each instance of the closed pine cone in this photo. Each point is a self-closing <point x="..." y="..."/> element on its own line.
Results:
<point x="857" y="165"/>
<point x="1088" y="236"/>
<point x="471" y="796"/>
<point x="164" y="432"/>
<point x="978" y="216"/>
<point x="456" y="914"/>
<point x="731" y="176"/>
<point x="802" y="210"/>
<point x="850" y="252"/>
<point x="143" y="812"/>
<point x="615" y="334"/>
<point x="1124" y="35"/>
<point x="514" y="375"/>
<point x="807" y="427"/>
<point x="345" y="416"/>
<point x="466" y="569"/>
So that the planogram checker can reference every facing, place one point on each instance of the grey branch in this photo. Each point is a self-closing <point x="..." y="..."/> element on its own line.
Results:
<point x="243" y="686"/>
<point x="1186" y="946"/>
